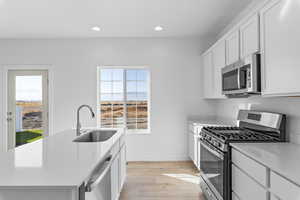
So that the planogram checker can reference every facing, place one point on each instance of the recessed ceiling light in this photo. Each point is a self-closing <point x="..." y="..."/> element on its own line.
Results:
<point x="96" y="28"/>
<point x="158" y="28"/>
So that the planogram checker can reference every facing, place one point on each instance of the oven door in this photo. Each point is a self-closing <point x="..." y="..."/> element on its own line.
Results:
<point x="213" y="169"/>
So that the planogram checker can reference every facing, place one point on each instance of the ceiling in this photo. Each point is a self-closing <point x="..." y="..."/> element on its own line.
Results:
<point x="117" y="18"/>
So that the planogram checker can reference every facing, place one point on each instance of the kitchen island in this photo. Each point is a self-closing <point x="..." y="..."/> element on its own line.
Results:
<point x="57" y="168"/>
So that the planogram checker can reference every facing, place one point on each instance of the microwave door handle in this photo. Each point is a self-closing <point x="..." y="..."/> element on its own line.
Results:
<point x="104" y="169"/>
<point x="239" y="79"/>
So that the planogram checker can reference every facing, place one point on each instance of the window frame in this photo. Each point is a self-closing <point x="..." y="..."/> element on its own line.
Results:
<point x="135" y="131"/>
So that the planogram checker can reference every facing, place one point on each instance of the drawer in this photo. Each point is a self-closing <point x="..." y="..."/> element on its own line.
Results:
<point x="283" y="188"/>
<point x="251" y="167"/>
<point x="245" y="187"/>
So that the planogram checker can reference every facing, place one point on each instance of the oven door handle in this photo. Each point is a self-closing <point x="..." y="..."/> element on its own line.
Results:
<point x="215" y="152"/>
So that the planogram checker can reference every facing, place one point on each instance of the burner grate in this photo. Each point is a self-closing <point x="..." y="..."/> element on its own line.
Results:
<point x="227" y="134"/>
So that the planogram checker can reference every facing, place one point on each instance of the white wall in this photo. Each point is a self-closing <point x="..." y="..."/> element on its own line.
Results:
<point x="227" y="109"/>
<point x="176" y="84"/>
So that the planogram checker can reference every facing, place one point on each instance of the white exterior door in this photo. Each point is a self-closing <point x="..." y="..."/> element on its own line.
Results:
<point x="27" y="106"/>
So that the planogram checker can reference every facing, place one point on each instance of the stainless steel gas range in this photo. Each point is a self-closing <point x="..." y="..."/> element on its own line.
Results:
<point x="215" y="151"/>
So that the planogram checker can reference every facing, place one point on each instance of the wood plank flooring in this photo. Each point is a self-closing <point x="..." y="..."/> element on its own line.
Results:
<point x="161" y="181"/>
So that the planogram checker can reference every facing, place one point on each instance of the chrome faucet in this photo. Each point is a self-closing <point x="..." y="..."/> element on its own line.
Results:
<point x="78" y="127"/>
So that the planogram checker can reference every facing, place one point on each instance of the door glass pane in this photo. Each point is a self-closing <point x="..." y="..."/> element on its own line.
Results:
<point x="28" y="115"/>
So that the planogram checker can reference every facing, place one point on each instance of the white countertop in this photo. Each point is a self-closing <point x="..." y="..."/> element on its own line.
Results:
<point x="282" y="158"/>
<point x="53" y="161"/>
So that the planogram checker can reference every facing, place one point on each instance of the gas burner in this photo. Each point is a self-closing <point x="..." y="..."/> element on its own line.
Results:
<point x="234" y="134"/>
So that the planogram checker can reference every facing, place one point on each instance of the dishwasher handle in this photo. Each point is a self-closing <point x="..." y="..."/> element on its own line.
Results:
<point x="96" y="178"/>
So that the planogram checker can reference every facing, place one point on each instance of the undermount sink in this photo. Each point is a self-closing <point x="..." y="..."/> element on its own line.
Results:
<point x="95" y="136"/>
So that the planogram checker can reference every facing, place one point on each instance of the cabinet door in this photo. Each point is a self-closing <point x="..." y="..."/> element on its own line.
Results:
<point x="115" y="178"/>
<point x="37" y="193"/>
<point x="232" y="47"/>
<point x="280" y="48"/>
<point x="249" y="33"/>
<point x="123" y="166"/>
<point x="191" y="145"/>
<point x="283" y="188"/>
<point x="218" y="54"/>
<point x="195" y="159"/>
<point x="199" y="153"/>
<point x="241" y="184"/>
<point x="208" y="75"/>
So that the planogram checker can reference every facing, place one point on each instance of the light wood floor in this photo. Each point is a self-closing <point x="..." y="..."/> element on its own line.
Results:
<point x="161" y="181"/>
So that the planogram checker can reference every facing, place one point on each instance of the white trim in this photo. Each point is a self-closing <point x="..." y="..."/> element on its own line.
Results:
<point x="141" y="132"/>
<point x="4" y="73"/>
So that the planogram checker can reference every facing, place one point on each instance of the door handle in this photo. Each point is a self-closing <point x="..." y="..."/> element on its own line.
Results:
<point x="9" y="113"/>
<point x="9" y="119"/>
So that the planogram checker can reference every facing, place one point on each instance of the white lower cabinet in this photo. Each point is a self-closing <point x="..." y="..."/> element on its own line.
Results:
<point x="46" y="193"/>
<point x="249" y="176"/>
<point x="191" y="145"/>
<point x="123" y="165"/>
<point x="283" y="188"/>
<point x="118" y="173"/>
<point x="257" y="171"/>
<point x="245" y="187"/>
<point x="115" y="185"/>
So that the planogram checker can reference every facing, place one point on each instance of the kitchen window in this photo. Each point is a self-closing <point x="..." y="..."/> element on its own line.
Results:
<point x="124" y="98"/>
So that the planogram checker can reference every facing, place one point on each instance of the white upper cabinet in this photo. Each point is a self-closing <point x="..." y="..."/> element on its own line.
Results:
<point x="272" y="29"/>
<point x="208" y="80"/>
<point x="249" y="35"/>
<point x="232" y="47"/>
<point x="218" y="54"/>
<point x="280" y="34"/>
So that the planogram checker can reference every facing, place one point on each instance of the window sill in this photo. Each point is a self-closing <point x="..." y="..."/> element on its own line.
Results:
<point x="138" y="132"/>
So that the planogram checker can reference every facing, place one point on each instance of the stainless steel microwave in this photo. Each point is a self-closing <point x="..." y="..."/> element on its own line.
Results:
<point x="242" y="78"/>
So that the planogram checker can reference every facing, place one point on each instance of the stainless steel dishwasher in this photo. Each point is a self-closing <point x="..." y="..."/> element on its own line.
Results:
<point x="98" y="186"/>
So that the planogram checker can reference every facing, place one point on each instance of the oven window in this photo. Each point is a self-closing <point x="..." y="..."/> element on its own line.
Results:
<point x="230" y="80"/>
<point x="212" y="168"/>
